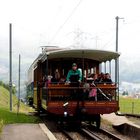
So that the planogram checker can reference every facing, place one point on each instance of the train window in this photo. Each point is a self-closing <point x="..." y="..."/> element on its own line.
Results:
<point x="85" y="73"/>
<point x="92" y="70"/>
<point x="89" y="72"/>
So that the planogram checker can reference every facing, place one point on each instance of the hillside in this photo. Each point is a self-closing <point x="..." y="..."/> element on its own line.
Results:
<point x="4" y="101"/>
<point x="7" y="117"/>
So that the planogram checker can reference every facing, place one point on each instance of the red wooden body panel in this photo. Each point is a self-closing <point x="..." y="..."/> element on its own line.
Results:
<point x="91" y="108"/>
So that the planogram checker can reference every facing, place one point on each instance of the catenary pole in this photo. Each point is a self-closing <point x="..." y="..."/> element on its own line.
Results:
<point x="117" y="22"/>
<point x="18" y="105"/>
<point x="117" y="59"/>
<point x="10" y="64"/>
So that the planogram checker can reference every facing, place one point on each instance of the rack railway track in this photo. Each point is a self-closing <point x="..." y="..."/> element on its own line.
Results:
<point x="100" y="134"/>
<point x="85" y="132"/>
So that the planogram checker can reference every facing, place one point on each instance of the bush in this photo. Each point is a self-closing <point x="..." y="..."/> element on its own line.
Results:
<point x="6" y="86"/>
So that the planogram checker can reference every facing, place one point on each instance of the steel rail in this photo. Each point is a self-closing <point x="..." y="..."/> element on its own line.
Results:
<point x="109" y="134"/>
<point x="66" y="134"/>
<point x="91" y="134"/>
<point x="92" y="128"/>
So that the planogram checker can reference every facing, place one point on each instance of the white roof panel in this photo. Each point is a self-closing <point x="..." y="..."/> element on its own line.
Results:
<point x="98" y="55"/>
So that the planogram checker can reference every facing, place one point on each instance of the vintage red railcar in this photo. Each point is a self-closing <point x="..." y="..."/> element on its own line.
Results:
<point x="68" y="102"/>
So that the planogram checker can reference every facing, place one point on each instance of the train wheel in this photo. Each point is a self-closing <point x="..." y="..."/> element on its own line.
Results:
<point x="98" y="121"/>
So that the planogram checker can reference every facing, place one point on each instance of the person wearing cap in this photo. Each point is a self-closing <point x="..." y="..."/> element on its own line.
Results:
<point x="74" y="75"/>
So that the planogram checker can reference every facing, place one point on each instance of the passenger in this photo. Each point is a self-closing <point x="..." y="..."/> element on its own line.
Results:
<point x="93" y="94"/>
<point x="57" y="74"/>
<point x="74" y="76"/>
<point x="107" y="79"/>
<point x="62" y="79"/>
<point x="86" y="89"/>
<point x="95" y="79"/>
<point x="44" y="80"/>
<point x="49" y="79"/>
<point x="101" y="77"/>
<point x="93" y="91"/>
<point x="86" y="86"/>
<point x="56" y="77"/>
<point x="90" y="78"/>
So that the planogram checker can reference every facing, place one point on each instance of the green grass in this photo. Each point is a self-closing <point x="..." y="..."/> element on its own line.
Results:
<point x="12" y="117"/>
<point x="4" y="101"/>
<point x="1" y="125"/>
<point x="7" y="117"/>
<point x="129" y="105"/>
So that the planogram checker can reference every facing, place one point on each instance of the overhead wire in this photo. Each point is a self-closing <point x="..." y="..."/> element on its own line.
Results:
<point x="67" y="19"/>
<point x="109" y="42"/>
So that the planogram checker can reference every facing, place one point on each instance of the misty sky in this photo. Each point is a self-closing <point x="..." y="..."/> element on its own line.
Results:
<point x="89" y="23"/>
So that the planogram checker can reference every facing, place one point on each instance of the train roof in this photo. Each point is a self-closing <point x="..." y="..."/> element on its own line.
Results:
<point x="94" y="54"/>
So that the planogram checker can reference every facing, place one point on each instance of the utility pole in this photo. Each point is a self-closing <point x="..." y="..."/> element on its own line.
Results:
<point x="117" y="29"/>
<point x="117" y="59"/>
<point x="18" y="105"/>
<point x="10" y="64"/>
<point x="117" y="22"/>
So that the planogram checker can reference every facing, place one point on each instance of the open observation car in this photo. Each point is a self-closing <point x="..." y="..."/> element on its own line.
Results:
<point x="71" y="102"/>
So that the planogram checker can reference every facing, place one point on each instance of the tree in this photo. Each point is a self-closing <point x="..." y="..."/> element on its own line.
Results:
<point x="6" y="86"/>
<point x="125" y="93"/>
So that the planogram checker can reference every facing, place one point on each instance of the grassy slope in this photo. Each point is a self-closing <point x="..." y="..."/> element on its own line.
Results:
<point x="7" y="117"/>
<point x="4" y="101"/>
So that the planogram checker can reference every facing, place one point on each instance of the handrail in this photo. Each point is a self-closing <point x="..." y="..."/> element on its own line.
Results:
<point x="71" y="88"/>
